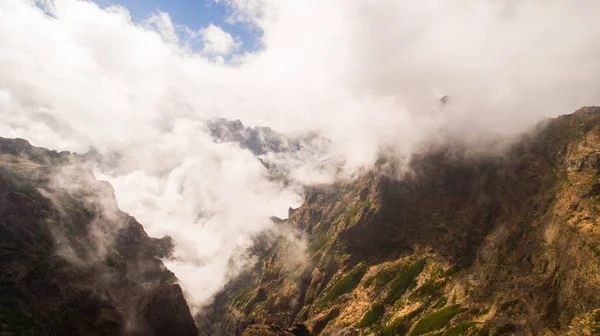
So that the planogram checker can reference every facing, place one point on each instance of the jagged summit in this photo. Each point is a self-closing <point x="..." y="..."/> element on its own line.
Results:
<point x="464" y="244"/>
<point x="259" y="140"/>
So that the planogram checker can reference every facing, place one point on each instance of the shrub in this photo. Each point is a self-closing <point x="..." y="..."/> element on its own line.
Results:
<point x="346" y="284"/>
<point x="401" y="325"/>
<point x="372" y="315"/>
<point x="317" y="244"/>
<point x="402" y="281"/>
<point x="385" y="275"/>
<point x="429" y="288"/>
<point x="436" y="320"/>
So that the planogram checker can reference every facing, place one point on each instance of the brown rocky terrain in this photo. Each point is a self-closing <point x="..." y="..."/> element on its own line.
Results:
<point x="72" y="263"/>
<point x="461" y="244"/>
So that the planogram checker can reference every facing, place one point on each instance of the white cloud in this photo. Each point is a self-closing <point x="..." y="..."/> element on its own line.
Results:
<point x="363" y="73"/>
<point x="162" y="24"/>
<point x="217" y="41"/>
<point x="249" y="11"/>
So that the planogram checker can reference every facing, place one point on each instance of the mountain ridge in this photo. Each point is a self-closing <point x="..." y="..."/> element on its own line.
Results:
<point x="73" y="263"/>
<point x="458" y="244"/>
<point x="462" y="245"/>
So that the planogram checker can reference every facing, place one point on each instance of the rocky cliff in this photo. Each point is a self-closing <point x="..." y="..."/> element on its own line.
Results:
<point x="459" y="244"/>
<point x="72" y="263"/>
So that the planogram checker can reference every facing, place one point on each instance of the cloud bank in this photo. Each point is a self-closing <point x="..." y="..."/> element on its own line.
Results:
<point x="362" y="74"/>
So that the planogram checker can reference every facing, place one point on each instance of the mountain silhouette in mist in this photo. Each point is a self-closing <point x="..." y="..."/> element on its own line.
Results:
<point x="72" y="262"/>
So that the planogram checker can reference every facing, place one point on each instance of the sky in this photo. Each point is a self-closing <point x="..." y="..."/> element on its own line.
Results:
<point x="193" y="14"/>
<point x="139" y="84"/>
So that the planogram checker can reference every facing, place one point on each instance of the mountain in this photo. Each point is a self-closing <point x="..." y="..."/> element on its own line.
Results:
<point x="457" y="243"/>
<point x="460" y="244"/>
<point x="72" y="262"/>
<point x="260" y="140"/>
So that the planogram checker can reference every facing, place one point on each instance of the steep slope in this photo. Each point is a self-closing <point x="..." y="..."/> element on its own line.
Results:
<point x="73" y="263"/>
<point x="463" y="244"/>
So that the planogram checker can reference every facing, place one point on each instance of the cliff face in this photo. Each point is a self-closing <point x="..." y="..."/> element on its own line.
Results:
<point x="73" y="263"/>
<point x="461" y="245"/>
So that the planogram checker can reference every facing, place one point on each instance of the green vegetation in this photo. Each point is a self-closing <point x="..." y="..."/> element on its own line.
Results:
<point x="401" y="325"/>
<point x="384" y="275"/>
<point x="460" y="329"/>
<point x="317" y="244"/>
<point x="440" y="303"/>
<point x="353" y="211"/>
<point x="387" y="274"/>
<point x="429" y="288"/>
<point x="27" y="197"/>
<point x="359" y="208"/>
<point x="72" y="207"/>
<point x="402" y="281"/>
<point x="321" y="228"/>
<point x="346" y="284"/>
<point x="372" y="315"/>
<point x="243" y="297"/>
<point x="368" y="282"/>
<point x="436" y="320"/>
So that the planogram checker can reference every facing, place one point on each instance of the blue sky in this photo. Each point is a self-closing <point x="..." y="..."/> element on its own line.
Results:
<point x="194" y="14"/>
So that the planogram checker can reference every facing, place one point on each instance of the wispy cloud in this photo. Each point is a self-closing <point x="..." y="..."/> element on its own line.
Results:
<point x="363" y="74"/>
